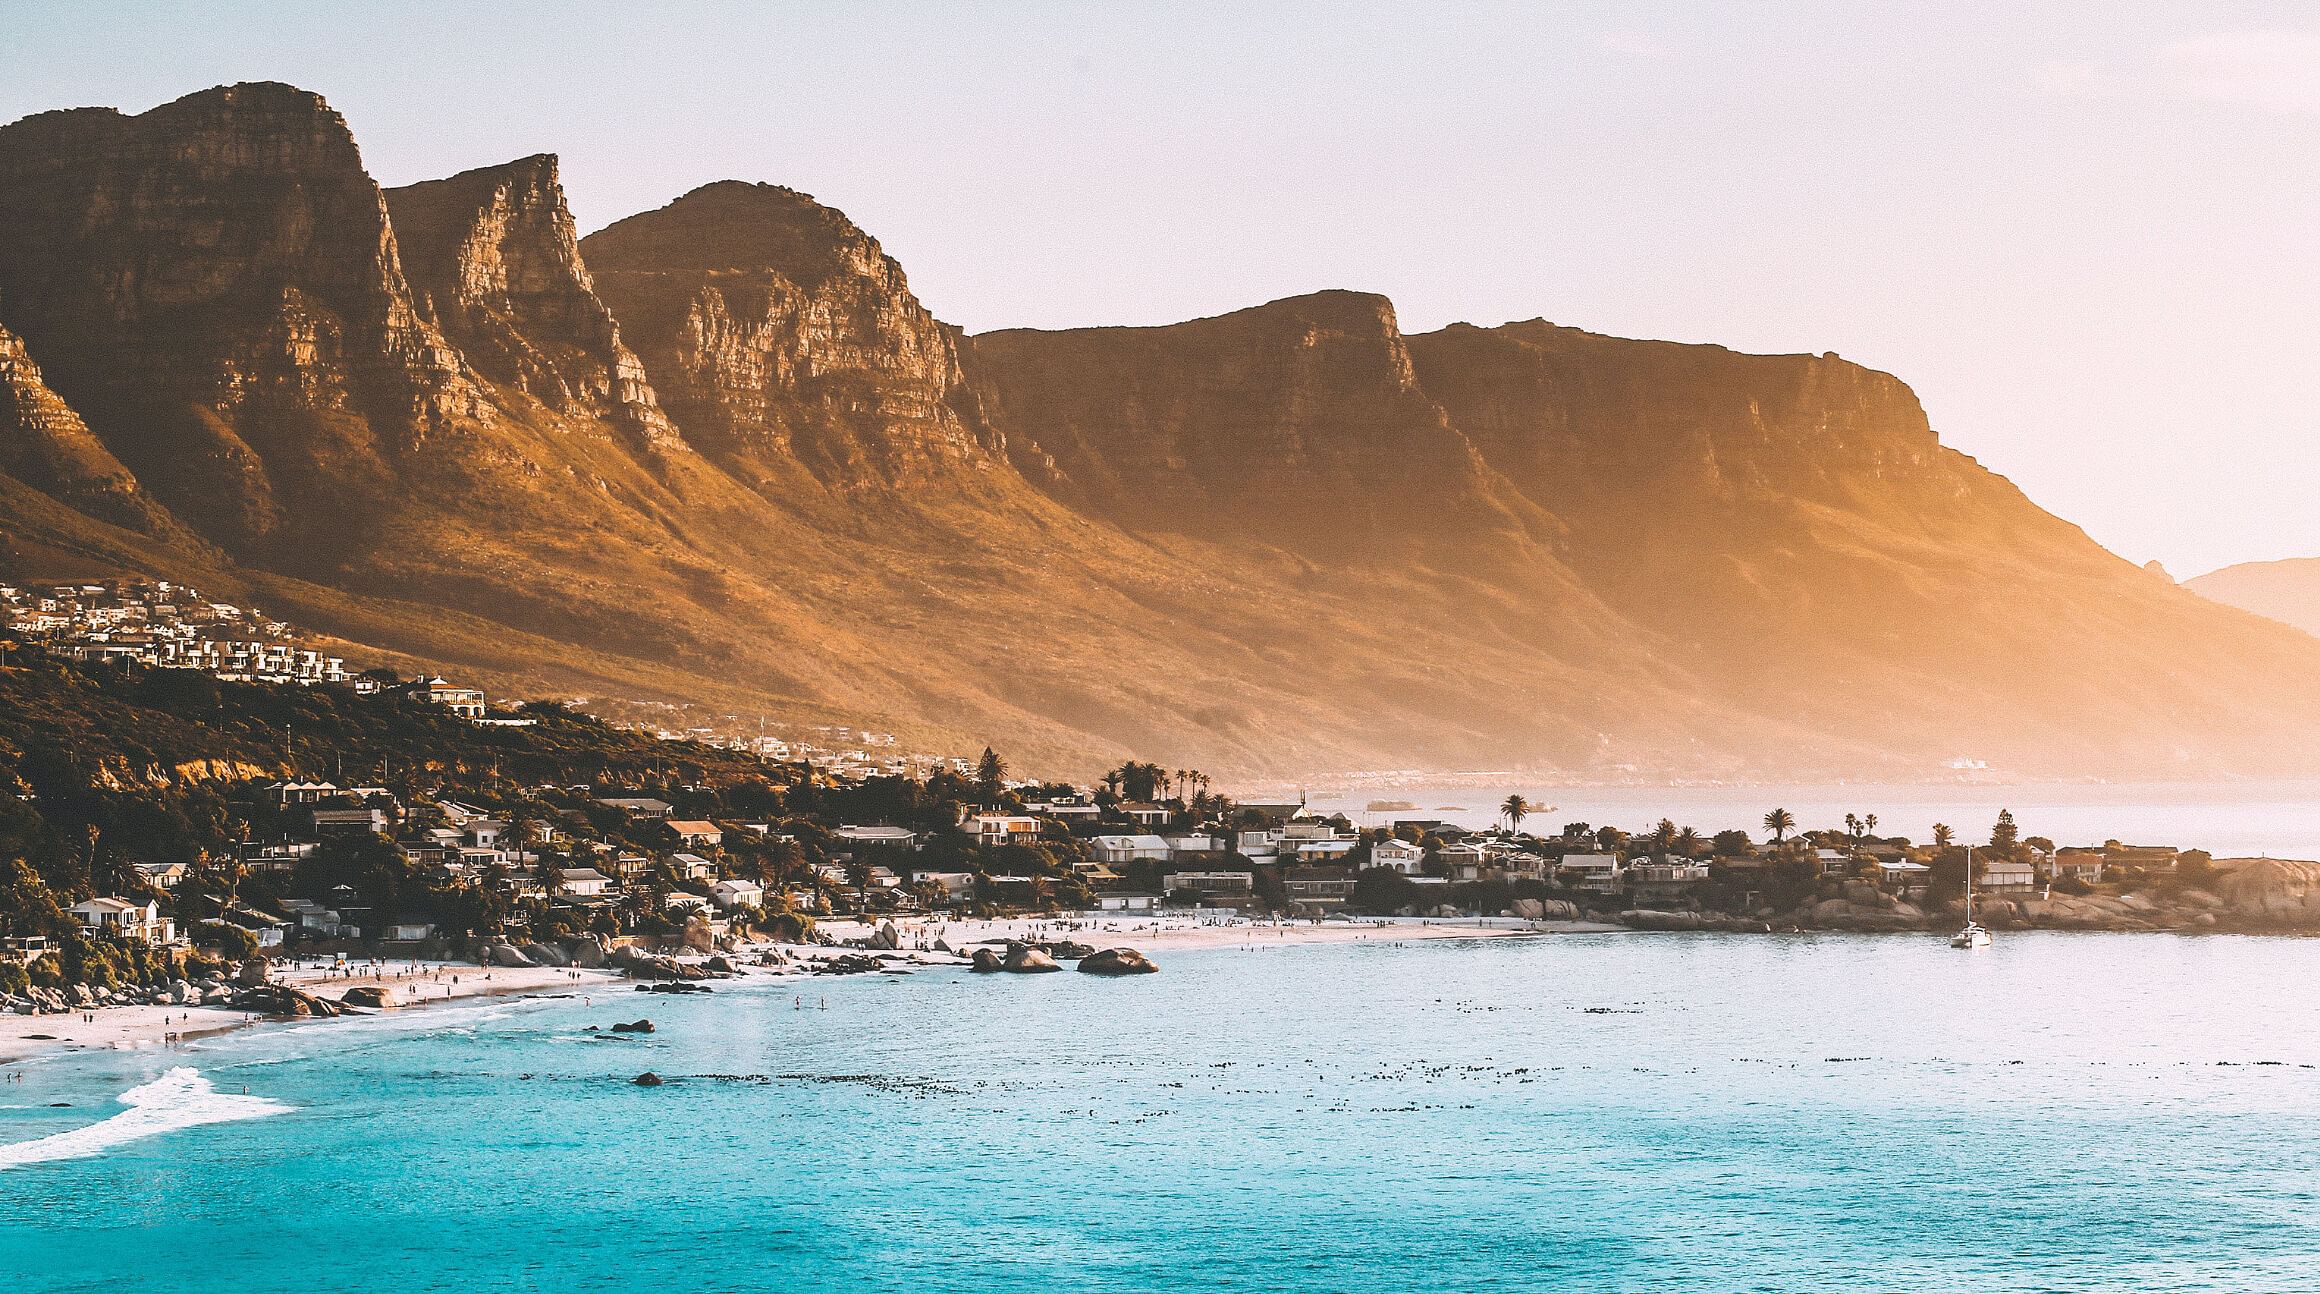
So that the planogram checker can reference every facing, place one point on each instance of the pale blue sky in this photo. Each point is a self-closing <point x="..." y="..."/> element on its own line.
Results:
<point x="2089" y="236"/>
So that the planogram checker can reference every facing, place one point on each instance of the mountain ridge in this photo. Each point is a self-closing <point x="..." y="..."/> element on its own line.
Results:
<point x="720" y="453"/>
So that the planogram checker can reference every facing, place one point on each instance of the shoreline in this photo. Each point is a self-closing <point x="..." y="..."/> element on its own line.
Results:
<point x="431" y="984"/>
<point x="145" y="1028"/>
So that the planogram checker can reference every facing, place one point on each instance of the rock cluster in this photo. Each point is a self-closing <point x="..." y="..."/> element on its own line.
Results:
<point x="1117" y="961"/>
<point x="37" y="1000"/>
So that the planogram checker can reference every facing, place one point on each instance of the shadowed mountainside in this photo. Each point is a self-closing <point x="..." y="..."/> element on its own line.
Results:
<point x="718" y="452"/>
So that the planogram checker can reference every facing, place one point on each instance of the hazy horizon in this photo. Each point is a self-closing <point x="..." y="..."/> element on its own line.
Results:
<point x="2083" y="239"/>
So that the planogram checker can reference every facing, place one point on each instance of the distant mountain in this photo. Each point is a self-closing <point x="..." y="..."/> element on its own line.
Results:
<point x="719" y="453"/>
<point x="2287" y="591"/>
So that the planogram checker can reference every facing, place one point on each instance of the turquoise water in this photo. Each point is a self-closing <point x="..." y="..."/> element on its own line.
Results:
<point x="1630" y="1112"/>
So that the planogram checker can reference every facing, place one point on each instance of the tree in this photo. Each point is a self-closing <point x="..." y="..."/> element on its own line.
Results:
<point x="990" y="775"/>
<point x="1944" y="835"/>
<point x="1687" y="843"/>
<point x="1853" y="825"/>
<point x="1514" y="810"/>
<point x="1733" y="844"/>
<point x="1779" y="822"/>
<point x="2004" y="833"/>
<point x="1869" y="824"/>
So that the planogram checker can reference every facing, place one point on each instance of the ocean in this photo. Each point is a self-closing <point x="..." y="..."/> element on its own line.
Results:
<point x="1569" y="1112"/>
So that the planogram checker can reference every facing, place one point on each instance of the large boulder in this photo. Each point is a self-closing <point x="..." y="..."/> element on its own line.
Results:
<point x="376" y="996"/>
<point x="1117" y="961"/>
<point x="885" y="938"/>
<point x="986" y="961"/>
<point x="1649" y="919"/>
<point x="1527" y="909"/>
<point x="633" y="1026"/>
<point x="584" y="952"/>
<point x="1023" y="959"/>
<point x="2273" y="891"/>
<point x="254" y="972"/>
<point x="506" y="955"/>
<point x="546" y="955"/>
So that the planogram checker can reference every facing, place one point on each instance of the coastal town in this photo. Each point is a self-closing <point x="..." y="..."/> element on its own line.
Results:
<point x="394" y="825"/>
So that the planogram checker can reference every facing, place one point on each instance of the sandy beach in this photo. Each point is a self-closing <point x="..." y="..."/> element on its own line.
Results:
<point x="419" y="984"/>
<point x="414" y="984"/>
<point x="1158" y="934"/>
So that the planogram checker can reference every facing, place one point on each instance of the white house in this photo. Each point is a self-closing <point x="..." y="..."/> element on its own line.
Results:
<point x="1000" y="828"/>
<point x="1130" y="849"/>
<point x="1325" y="851"/>
<point x="1124" y="901"/>
<point x="693" y="867"/>
<point x="1594" y="873"/>
<point x="955" y="885"/>
<point x="737" y="893"/>
<point x="1147" y="815"/>
<point x="110" y="916"/>
<point x="1260" y="846"/>
<point x="2009" y="874"/>
<point x="582" y="882"/>
<point x="1398" y="855"/>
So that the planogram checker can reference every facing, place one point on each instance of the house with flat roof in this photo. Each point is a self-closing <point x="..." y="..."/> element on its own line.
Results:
<point x="1118" y="850"/>
<point x="878" y="837"/>
<point x="1212" y="887"/>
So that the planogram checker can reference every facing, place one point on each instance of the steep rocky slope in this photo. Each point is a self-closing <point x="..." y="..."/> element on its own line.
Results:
<point x="719" y="452"/>
<point x="49" y="448"/>
<point x="2287" y="591"/>
<point x="784" y="338"/>
<point x="495" y="260"/>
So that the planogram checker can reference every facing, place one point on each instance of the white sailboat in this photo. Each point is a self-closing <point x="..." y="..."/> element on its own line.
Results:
<point x="1973" y="936"/>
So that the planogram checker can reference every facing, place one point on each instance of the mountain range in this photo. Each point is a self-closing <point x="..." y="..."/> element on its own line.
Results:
<point x="2287" y="590"/>
<point x="719" y="453"/>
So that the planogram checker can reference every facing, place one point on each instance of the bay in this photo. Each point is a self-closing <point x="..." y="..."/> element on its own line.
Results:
<point x="1581" y="1112"/>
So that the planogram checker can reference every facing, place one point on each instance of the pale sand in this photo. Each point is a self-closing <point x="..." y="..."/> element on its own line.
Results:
<point x="1159" y="934"/>
<point x="432" y="982"/>
<point x="133" y="1027"/>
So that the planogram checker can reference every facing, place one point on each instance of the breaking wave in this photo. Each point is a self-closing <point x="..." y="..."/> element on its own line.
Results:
<point x="179" y="1099"/>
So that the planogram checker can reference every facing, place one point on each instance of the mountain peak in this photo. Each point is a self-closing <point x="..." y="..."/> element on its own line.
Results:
<point x="778" y="332"/>
<point x="493" y="256"/>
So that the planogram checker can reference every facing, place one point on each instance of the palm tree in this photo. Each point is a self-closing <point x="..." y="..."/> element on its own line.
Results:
<point x="1663" y="836"/>
<point x="1779" y="822"/>
<point x="1869" y="825"/>
<point x="1853" y="825"/>
<point x="1514" y="811"/>
<point x="1688" y="843"/>
<point x="1943" y="835"/>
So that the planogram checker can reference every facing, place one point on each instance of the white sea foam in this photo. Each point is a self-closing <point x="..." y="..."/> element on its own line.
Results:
<point x="179" y="1099"/>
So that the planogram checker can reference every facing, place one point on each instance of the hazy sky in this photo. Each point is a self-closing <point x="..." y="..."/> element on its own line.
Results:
<point x="2089" y="236"/>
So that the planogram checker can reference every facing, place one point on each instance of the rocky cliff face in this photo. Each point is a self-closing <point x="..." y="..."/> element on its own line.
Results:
<point x="1300" y="421"/>
<point x="780" y="335"/>
<point x="45" y="445"/>
<point x="494" y="259"/>
<point x="214" y="285"/>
